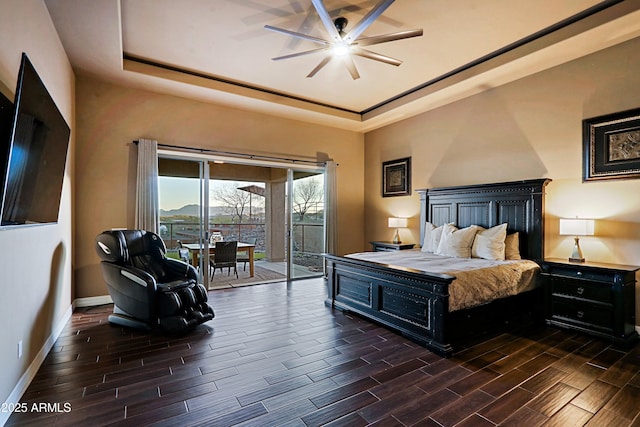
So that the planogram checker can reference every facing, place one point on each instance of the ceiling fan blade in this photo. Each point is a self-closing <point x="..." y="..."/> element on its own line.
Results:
<point x="367" y="20"/>
<point x="368" y="41"/>
<point x="298" y="35"/>
<point x="326" y="19"/>
<point x="351" y="66"/>
<point x="295" y="55"/>
<point x="309" y="23"/>
<point x="375" y="56"/>
<point x="322" y="63"/>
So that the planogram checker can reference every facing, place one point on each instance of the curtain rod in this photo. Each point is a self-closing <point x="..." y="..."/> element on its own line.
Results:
<point x="239" y="155"/>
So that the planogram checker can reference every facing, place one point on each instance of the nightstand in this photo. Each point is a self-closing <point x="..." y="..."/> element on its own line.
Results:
<point x="390" y="246"/>
<point x="591" y="297"/>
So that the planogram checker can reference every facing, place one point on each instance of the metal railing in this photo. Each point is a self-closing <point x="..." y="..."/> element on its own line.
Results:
<point x="307" y="237"/>
<point x="188" y="232"/>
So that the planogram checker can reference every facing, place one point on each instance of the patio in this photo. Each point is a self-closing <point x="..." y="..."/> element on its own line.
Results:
<point x="265" y="272"/>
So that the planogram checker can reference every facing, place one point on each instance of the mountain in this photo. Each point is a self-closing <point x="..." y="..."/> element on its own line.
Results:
<point x="187" y="210"/>
<point x="194" y="209"/>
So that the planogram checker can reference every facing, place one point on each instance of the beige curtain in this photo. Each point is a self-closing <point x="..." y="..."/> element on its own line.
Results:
<point x="147" y="205"/>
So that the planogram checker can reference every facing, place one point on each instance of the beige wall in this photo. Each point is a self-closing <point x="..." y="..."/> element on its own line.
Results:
<point x="530" y="128"/>
<point x="110" y="117"/>
<point x="35" y="262"/>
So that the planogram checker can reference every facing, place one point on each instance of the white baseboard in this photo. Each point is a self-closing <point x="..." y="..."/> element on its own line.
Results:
<point x="92" y="301"/>
<point x="32" y="370"/>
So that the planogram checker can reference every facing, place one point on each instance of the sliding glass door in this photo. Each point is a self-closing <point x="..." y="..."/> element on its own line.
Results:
<point x="274" y="208"/>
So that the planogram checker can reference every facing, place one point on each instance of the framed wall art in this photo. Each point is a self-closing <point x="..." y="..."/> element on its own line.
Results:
<point x="611" y="146"/>
<point x="396" y="177"/>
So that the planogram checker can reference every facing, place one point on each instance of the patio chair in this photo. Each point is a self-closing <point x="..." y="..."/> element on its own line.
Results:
<point x="225" y="256"/>
<point x="244" y="256"/>
<point x="183" y="252"/>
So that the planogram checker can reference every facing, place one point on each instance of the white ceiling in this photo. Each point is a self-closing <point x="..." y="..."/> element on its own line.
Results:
<point x="218" y="50"/>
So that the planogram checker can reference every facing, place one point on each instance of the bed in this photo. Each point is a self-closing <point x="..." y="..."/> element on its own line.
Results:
<point x="417" y="303"/>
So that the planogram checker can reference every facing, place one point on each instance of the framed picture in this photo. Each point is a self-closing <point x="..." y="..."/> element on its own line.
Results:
<point x="611" y="146"/>
<point x="396" y="177"/>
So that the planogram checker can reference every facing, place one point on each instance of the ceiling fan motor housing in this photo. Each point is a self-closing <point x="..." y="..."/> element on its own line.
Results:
<point x="340" y="23"/>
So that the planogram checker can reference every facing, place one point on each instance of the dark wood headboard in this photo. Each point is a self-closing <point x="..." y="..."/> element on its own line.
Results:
<point x="520" y="204"/>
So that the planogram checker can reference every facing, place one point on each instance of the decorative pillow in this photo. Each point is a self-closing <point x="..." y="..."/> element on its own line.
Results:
<point x="512" y="246"/>
<point x="489" y="243"/>
<point x="432" y="235"/>
<point x="456" y="243"/>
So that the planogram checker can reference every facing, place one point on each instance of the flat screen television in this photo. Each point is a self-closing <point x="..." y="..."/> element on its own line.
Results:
<point x="6" y="119"/>
<point x="38" y="144"/>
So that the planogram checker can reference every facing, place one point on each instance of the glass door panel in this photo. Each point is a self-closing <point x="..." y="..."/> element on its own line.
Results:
<point x="182" y="186"/>
<point x="306" y="224"/>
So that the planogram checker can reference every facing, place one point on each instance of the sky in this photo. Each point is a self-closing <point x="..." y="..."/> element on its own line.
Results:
<point x="175" y="192"/>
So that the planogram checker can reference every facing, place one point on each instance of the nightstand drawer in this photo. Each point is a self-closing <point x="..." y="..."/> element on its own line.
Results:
<point x="583" y="314"/>
<point x="583" y="274"/>
<point x="583" y="289"/>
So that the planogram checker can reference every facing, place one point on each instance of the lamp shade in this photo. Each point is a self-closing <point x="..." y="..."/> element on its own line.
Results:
<point x="395" y="222"/>
<point x="577" y="227"/>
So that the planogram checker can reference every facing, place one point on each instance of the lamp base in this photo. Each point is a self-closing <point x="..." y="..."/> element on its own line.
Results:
<point x="576" y="256"/>
<point x="396" y="238"/>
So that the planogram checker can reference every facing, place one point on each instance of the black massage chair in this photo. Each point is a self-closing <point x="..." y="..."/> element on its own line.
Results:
<point x="148" y="289"/>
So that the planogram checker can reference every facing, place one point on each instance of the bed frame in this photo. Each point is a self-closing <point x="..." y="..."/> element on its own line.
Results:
<point x="415" y="303"/>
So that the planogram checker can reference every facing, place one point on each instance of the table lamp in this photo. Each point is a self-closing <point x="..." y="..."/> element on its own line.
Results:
<point x="397" y="223"/>
<point x="576" y="227"/>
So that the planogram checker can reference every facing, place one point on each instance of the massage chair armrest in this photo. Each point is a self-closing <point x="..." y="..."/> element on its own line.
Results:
<point x="132" y="276"/>
<point x="133" y="291"/>
<point x="180" y="269"/>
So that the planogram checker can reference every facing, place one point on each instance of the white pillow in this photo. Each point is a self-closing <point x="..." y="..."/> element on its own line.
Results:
<point x="432" y="235"/>
<point x="512" y="246"/>
<point x="489" y="243"/>
<point x="456" y="243"/>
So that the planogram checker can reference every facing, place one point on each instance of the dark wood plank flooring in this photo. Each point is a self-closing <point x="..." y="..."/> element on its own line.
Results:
<point x="276" y="356"/>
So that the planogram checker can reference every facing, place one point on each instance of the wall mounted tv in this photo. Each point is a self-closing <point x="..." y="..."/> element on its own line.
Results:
<point x="6" y="119"/>
<point x="37" y="154"/>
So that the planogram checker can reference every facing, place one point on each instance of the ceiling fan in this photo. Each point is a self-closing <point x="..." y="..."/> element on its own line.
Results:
<point x="344" y="45"/>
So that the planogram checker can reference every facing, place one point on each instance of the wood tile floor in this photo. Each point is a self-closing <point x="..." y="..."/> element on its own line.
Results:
<point x="276" y="356"/>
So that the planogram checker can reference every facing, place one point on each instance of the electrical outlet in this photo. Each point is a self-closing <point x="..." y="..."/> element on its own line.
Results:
<point x="19" y="349"/>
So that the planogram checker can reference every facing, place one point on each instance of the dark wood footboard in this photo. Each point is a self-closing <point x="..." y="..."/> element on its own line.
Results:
<point x="410" y="302"/>
<point x="416" y="304"/>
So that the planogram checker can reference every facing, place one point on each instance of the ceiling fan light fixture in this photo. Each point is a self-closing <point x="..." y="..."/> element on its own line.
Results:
<point x="346" y="45"/>
<point x="340" y="48"/>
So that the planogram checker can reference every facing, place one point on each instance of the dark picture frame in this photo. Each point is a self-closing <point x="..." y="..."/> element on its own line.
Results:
<point x="396" y="177"/>
<point x="611" y="146"/>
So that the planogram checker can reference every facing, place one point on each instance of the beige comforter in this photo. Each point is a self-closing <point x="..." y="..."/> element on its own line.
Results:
<point x="477" y="282"/>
